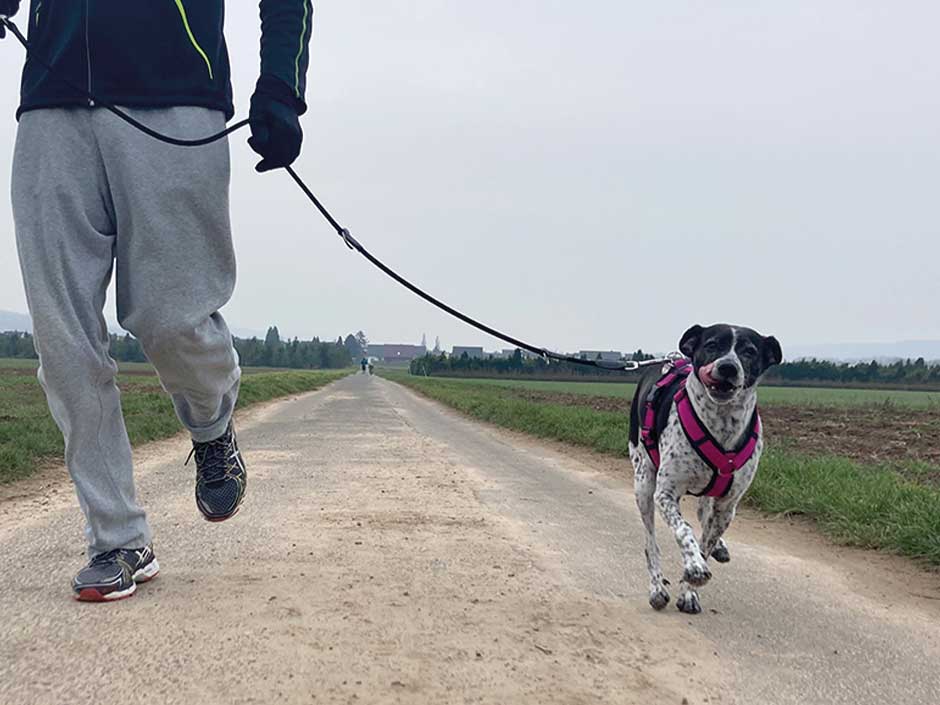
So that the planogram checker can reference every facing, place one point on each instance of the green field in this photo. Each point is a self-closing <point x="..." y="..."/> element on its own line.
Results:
<point x="878" y="505"/>
<point x="815" y="396"/>
<point x="28" y="435"/>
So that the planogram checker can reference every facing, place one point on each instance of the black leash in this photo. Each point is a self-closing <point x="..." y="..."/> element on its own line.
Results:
<point x="350" y="241"/>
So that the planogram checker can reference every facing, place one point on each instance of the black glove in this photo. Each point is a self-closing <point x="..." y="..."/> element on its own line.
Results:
<point x="8" y="8"/>
<point x="275" y="129"/>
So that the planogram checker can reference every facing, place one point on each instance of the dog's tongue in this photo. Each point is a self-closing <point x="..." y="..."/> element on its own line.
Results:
<point x="705" y="374"/>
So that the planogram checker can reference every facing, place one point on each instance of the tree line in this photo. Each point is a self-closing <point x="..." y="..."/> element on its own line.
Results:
<point x="253" y="352"/>
<point x="901" y="373"/>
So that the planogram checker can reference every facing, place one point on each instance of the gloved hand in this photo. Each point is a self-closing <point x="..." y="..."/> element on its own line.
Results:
<point x="275" y="130"/>
<point x="8" y="8"/>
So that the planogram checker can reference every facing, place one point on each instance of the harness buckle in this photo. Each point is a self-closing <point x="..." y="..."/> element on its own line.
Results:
<point x="728" y="470"/>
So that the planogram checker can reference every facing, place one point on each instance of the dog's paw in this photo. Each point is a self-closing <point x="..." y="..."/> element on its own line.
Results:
<point x="697" y="575"/>
<point x="659" y="599"/>
<point x="688" y="603"/>
<point x="721" y="553"/>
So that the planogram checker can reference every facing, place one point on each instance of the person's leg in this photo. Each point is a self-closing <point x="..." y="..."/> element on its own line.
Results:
<point x="65" y="239"/>
<point x="175" y="259"/>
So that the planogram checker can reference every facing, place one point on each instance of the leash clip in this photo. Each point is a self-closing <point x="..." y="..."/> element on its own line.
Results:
<point x="347" y="238"/>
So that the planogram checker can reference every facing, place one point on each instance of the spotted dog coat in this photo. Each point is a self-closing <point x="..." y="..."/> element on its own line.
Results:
<point x="728" y="362"/>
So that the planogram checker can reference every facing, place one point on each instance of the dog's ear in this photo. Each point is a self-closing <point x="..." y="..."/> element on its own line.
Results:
<point x="771" y="352"/>
<point x="690" y="340"/>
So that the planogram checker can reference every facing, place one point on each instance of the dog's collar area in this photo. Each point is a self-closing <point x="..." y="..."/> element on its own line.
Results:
<point x="723" y="463"/>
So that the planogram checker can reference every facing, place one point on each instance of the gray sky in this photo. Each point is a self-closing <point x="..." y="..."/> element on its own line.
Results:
<point x="593" y="175"/>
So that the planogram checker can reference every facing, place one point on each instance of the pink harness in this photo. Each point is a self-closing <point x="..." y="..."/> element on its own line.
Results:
<point x="723" y="463"/>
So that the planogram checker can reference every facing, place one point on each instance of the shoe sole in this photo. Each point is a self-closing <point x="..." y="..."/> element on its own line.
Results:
<point x="95" y="595"/>
<point x="148" y="572"/>
<point x="219" y="520"/>
<point x="144" y="575"/>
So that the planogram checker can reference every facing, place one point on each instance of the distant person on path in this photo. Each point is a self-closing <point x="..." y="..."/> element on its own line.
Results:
<point x="91" y="194"/>
<point x="365" y="363"/>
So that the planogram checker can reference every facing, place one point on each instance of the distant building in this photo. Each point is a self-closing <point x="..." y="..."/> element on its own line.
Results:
<point x="507" y="353"/>
<point x="471" y="351"/>
<point x="392" y="352"/>
<point x="605" y="355"/>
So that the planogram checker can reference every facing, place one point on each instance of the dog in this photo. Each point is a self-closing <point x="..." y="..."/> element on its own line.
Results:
<point x="695" y="429"/>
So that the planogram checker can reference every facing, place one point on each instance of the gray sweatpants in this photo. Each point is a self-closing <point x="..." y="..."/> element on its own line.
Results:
<point x="91" y="193"/>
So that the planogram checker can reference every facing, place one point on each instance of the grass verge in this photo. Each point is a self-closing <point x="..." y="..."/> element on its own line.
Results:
<point x="28" y="435"/>
<point x="809" y="396"/>
<point x="869" y="506"/>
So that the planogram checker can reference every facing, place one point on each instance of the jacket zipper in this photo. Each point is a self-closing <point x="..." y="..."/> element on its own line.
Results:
<point x="91" y="103"/>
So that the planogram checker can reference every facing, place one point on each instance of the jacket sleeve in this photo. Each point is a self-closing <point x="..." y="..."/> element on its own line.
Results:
<point x="286" y="26"/>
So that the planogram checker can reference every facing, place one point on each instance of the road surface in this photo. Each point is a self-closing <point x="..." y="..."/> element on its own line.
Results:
<point x="391" y="551"/>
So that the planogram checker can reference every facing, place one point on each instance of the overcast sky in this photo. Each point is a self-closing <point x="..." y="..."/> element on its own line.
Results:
<point x="598" y="174"/>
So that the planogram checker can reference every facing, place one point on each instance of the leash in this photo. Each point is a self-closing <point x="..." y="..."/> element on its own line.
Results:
<point x="348" y="239"/>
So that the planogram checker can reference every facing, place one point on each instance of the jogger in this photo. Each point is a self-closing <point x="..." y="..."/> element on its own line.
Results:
<point x="93" y="197"/>
<point x="160" y="214"/>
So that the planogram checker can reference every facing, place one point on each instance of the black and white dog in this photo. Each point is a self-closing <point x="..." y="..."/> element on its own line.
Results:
<point x="694" y="429"/>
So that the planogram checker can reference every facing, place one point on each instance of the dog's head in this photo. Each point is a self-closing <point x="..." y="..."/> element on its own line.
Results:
<point x="729" y="360"/>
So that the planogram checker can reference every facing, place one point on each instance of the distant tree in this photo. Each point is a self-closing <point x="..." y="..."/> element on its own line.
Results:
<point x="363" y="341"/>
<point x="273" y="336"/>
<point x="353" y="347"/>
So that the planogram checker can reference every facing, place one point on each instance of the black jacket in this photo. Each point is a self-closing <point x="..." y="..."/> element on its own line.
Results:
<point x="157" y="53"/>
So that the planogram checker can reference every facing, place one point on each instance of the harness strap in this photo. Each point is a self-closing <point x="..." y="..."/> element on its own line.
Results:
<point x="723" y="463"/>
<point x="648" y="434"/>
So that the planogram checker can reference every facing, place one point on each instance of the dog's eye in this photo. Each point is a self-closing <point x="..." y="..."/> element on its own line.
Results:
<point x="749" y="352"/>
<point x="710" y="346"/>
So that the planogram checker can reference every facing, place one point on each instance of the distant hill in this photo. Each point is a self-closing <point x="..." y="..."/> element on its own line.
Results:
<point x="866" y="352"/>
<point x="15" y="321"/>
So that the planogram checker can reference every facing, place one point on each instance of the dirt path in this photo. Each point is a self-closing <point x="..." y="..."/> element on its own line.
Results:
<point x="393" y="552"/>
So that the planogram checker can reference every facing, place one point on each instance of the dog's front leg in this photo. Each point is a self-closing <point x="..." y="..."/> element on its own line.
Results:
<point x="716" y="524"/>
<point x="720" y="553"/>
<point x="715" y="519"/>
<point x="695" y="572"/>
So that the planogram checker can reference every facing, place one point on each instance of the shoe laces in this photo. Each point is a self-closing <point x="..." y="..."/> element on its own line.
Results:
<point x="212" y="457"/>
<point x="106" y="557"/>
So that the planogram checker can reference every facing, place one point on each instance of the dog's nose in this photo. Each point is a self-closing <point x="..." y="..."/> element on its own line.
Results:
<point x="726" y="370"/>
